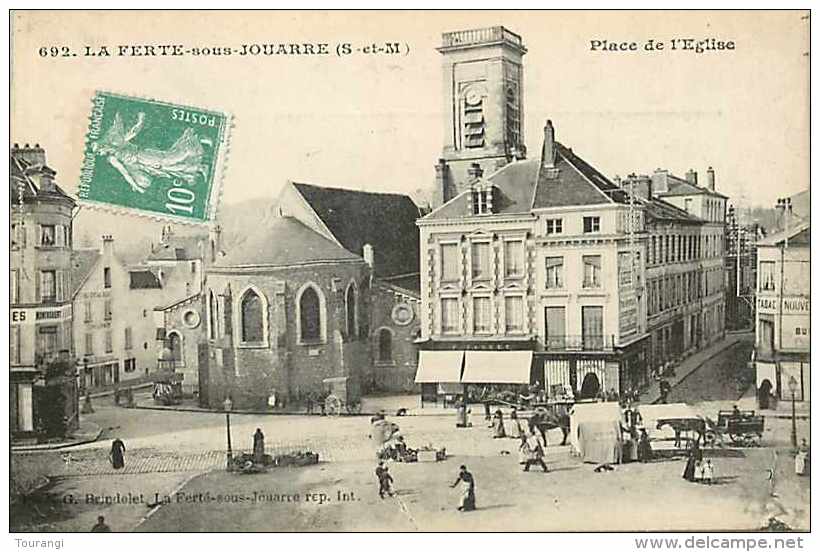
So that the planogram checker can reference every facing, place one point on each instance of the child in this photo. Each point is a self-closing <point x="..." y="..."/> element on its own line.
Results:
<point x="708" y="472"/>
<point x="385" y="480"/>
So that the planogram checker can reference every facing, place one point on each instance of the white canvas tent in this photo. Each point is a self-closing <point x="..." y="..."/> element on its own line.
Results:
<point x="591" y="412"/>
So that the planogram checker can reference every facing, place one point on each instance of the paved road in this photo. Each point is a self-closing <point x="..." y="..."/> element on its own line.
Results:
<point x="724" y="377"/>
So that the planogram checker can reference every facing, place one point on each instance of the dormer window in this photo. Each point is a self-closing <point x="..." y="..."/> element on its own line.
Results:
<point x="482" y="200"/>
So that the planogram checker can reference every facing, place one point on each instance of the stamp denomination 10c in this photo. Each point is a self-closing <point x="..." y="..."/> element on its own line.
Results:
<point x="154" y="158"/>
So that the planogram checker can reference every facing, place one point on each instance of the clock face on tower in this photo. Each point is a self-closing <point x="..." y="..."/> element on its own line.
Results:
<point x="473" y="97"/>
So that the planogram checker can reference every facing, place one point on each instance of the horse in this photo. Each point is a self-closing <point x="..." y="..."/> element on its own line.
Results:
<point x="556" y="417"/>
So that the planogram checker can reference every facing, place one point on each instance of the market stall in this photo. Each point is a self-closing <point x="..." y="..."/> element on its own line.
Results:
<point x="595" y="432"/>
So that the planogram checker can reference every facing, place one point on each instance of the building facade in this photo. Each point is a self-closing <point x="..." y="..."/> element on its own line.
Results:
<point x="42" y="386"/>
<point x="783" y="314"/>
<point x="684" y="265"/>
<point x="541" y="255"/>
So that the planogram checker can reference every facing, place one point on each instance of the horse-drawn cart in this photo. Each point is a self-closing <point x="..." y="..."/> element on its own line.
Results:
<point x="744" y="428"/>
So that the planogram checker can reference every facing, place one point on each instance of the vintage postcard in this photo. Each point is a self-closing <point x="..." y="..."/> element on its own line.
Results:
<point x="509" y="271"/>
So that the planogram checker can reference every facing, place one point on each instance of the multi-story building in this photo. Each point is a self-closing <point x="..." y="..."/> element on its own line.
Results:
<point x="783" y="317"/>
<point x="534" y="272"/>
<point x="741" y="270"/>
<point x="42" y="377"/>
<point x="710" y="206"/>
<point x="682" y="278"/>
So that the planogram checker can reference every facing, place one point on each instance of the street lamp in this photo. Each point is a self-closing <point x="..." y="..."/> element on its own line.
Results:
<point x="227" y="405"/>
<point x="793" y="390"/>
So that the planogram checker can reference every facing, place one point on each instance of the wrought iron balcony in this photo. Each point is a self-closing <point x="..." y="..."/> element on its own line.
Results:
<point x="571" y="343"/>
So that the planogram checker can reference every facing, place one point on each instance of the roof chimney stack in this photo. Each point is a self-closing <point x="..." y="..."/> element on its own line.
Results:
<point x="710" y="178"/>
<point x="548" y="155"/>
<point x="660" y="181"/>
<point x="369" y="258"/>
<point x="692" y="177"/>
<point x="107" y="248"/>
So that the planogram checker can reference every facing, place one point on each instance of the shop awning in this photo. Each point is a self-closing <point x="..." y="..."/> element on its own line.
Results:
<point x="440" y="366"/>
<point x="497" y="367"/>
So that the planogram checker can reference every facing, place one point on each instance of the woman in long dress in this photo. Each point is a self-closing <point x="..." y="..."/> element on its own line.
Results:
<point x="694" y="459"/>
<point x="531" y="452"/>
<point x="117" y="454"/>
<point x="498" y="425"/>
<point x="515" y="425"/>
<point x="467" y="482"/>
<point x="258" y="446"/>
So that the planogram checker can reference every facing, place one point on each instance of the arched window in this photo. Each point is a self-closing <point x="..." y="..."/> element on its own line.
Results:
<point x="175" y="345"/>
<point x="212" y="319"/>
<point x="385" y="345"/>
<point x="310" y="320"/>
<point x="251" y="312"/>
<point x="350" y="303"/>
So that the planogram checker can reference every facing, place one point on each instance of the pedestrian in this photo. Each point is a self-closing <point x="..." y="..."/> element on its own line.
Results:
<point x="708" y="472"/>
<point x="467" y="482"/>
<point x="462" y="420"/>
<point x="100" y="526"/>
<point x="515" y="425"/>
<point x="695" y="456"/>
<point x="117" y="454"/>
<point x="531" y="452"/>
<point x="259" y="447"/>
<point x="644" y="447"/>
<point x="498" y="425"/>
<point x="385" y="480"/>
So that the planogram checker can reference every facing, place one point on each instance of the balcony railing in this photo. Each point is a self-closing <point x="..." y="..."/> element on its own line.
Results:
<point x="580" y="343"/>
<point x="479" y="36"/>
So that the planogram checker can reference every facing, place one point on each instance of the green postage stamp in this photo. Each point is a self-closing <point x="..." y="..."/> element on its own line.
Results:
<point x="154" y="158"/>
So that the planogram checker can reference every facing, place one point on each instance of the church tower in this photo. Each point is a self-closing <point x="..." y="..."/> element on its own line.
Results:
<point x="483" y="108"/>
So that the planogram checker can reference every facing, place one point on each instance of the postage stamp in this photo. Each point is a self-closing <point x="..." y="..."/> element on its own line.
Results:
<point x="154" y="158"/>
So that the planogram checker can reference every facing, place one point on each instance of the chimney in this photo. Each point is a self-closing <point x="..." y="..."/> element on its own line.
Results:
<point x="660" y="181"/>
<point x="642" y="185"/>
<point x="107" y="248"/>
<point x="47" y="179"/>
<point x="443" y="191"/>
<point x="369" y="258"/>
<point x="710" y="178"/>
<point x="692" y="177"/>
<point x="475" y="171"/>
<point x="548" y="154"/>
<point x="216" y="240"/>
<point x="32" y="155"/>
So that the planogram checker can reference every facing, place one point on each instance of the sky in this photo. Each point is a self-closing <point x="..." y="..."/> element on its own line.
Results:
<point x="375" y="122"/>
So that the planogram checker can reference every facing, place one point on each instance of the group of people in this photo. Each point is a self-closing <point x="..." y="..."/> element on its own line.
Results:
<point x="464" y="479"/>
<point x="698" y="470"/>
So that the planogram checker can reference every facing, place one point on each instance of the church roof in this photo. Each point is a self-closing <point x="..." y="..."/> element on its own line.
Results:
<point x="384" y="220"/>
<point x="283" y="242"/>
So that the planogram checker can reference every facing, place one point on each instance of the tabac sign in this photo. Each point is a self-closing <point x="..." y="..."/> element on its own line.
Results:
<point x="790" y="305"/>
<point x="22" y="317"/>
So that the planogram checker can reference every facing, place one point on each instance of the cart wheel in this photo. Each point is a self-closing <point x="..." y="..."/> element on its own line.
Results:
<point x="710" y="438"/>
<point x="333" y="405"/>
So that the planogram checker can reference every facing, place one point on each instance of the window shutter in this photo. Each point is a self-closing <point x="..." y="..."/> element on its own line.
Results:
<point x="38" y="287"/>
<point x="58" y="276"/>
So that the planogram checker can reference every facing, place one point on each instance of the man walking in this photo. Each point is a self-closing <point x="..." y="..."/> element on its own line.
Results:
<point x="385" y="480"/>
<point x="467" y="482"/>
